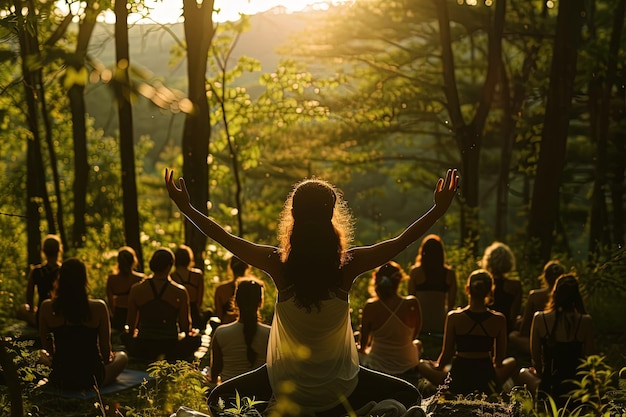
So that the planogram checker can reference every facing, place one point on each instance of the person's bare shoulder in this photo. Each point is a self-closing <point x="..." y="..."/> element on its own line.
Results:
<point x="416" y="274"/>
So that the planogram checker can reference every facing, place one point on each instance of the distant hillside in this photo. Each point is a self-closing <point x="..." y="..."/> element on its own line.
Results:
<point x="150" y="47"/>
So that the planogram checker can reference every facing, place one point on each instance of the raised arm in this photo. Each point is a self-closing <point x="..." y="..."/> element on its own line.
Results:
<point x="365" y="258"/>
<point x="261" y="256"/>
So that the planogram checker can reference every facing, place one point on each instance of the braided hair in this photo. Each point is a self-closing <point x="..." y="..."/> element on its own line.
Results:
<point x="248" y="297"/>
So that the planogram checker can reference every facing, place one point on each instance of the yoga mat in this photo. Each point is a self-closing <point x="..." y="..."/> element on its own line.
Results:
<point x="127" y="379"/>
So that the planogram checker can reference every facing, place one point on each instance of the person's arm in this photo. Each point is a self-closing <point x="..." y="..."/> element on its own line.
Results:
<point x="449" y="342"/>
<point x="200" y="290"/>
<point x="104" y="330"/>
<point x="184" y="315"/>
<point x="516" y="305"/>
<point x="263" y="257"/>
<point x="527" y="317"/>
<point x="132" y="316"/>
<point x="535" y="342"/>
<point x="218" y="303"/>
<point x="30" y="290"/>
<point x="44" y="328"/>
<point x="411" y="286"/>
<point x="217" y="359"/>
<point x="418" y="318"/>
<point x="110" y="295"/>
<point x="501" y="337"/>
<point x="365" y="330"/>
<point x="366" y="258"/>
<point x="451" y="289"/>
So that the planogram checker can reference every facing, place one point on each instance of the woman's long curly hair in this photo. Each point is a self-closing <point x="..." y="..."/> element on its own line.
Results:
<point x="70" y="297"/>
<point x="498" y="259"/>
<point x="315" y="230"/>
<point x="248" y="298"/>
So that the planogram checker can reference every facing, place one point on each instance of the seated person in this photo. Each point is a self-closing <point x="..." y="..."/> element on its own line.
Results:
<point x="312" y="360"/>
<point x="158" y="312"/>
<point x="76" y="335"/>
<point x="537" y="301"/>
<point x="499" y="260"/>
<point x="390" y="325"/>
<point x="41" y="278"/>
<point x="433" y="282"/>
<point x="223" y="301"/>
<point x="118" y="286"/>
<point x="241" y="346"/>
<point x="193" y="280"/>
<point x="560" y="337"/>
<point x="471" y="334"/>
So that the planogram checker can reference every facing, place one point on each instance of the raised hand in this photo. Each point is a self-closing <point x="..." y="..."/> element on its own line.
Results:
<point x="446" y="189"/>
<point x="179" y="195"/>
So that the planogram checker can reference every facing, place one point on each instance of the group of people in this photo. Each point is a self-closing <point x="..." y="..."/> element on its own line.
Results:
<point x="155" y="314"/>
<point x="308" y="357"/>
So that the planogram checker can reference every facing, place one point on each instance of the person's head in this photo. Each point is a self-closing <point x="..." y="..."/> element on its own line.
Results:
<point x="387" y="278"/>
<point x="184" y="257"/>
<point x="479" y="285"/>
<point x="566" y="295"/>
<point x="551" y="271"/>
<point x="498" y="259"/>
<point x="162" y="261"/>
<point x="248" y="299"/>
<point x="52" y="248"/>
<point x="431" y="256"/>
<point x="314" y="232"/>
<point x="238" y="267"/>
<point x="70" y="294"/>
<point x="126" y="260"/>
<point x="248" y="296"/>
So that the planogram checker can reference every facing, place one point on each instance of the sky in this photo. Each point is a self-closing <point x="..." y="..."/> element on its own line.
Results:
<point x="169" y="11"/>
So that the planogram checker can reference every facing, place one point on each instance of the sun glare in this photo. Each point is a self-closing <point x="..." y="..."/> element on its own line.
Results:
<point x="170" y="11"/>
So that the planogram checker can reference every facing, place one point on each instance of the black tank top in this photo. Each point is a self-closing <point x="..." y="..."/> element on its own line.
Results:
<point x="469" y="342"/>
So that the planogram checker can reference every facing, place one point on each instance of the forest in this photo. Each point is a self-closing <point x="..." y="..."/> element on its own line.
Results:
<point x="527" y="98"/>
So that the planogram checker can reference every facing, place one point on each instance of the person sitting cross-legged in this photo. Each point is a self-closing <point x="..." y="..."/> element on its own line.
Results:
<point x="240" y="346"/>
<point x="75" y="332"/>
<point x="158" y="313"/>
<point x="390" y="324"/>
<point x="312" y="361"/>
<point x="476" y="337"/>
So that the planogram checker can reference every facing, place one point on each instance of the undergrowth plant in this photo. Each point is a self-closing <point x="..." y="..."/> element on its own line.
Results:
<point x="173" y="385"/>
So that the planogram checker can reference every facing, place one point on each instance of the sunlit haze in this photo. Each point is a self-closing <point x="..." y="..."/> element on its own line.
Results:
<point x="170" y="11"/>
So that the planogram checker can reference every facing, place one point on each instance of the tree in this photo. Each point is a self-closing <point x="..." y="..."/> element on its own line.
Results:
<point x="609" y="171"/>
<point x="545" y="196"/>
<point x="32" y="73"/>
<point x="74" y="80"/>
<point x="127" y="153"/>
<point x="199" y="31"/>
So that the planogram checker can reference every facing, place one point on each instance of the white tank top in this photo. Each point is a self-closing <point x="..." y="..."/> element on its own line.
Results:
<point x="312" y="356"/>
<point x="393" y="350"/>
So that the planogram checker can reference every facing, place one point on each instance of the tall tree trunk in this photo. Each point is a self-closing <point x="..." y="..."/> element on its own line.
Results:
<point x="469" y="136"/>
<point x="125" y="113"/>
<point x="79" y="127"/>
<point x="36" y="194"/>
<point x="545" y="196"/>
<point x="600" y="223"/>
<point x="199" y="31"/>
